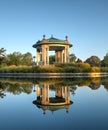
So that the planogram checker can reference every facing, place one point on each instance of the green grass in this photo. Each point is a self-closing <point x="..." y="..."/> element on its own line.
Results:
<point x="57" y="68"/>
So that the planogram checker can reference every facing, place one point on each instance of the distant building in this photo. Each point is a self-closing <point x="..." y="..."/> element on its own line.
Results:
<point x="61" y="48"/>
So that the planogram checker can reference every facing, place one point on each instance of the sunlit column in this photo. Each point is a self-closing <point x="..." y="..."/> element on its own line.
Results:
<point x="65" y="55"/>
<point x="44" y="94"/>
<point x="38" y="57"/>
<point x="59" y="56"/>
<point x="62" y="56"/>
<point x="59" y="92"/>
<point x="38" y="91"/>
<point x="43" y="55"/>
<point x="47" y="94"/>
<point x="67" y="95"/>
<point x="47" y="55"/>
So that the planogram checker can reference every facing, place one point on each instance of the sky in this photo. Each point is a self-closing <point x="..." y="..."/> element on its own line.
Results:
<point x="85" y="22"/>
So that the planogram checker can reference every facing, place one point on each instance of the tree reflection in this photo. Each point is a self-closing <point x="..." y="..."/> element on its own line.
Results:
<point x="18" y="86"/>
<point x="94" y="85"/>
<point x="2" y="94"/>
<point x="105" y="83"/>
<point x="16" y="89"/>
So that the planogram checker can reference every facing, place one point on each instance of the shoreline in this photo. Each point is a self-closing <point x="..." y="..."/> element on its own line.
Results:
<point x="51" y="75"/>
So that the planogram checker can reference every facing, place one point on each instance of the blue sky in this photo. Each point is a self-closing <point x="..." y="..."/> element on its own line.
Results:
<point x="23" y="22"/>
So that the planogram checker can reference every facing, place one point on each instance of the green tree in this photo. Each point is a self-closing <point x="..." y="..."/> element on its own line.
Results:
<point x="94" y="61"/>
<point x="14" y="58"/>
<point x="2" y="52"/>
<point x="27" y="59"/>
<point x="2" y="55"/>
<point x="79" y="61"/>
<point x="104" y="62"/>
<point x="72" y="58"/>
<point x="17" y="58"/>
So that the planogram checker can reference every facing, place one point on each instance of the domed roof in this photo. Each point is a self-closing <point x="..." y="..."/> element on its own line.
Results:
<point x="52" y="107"/>
<point x="52" y="40"/>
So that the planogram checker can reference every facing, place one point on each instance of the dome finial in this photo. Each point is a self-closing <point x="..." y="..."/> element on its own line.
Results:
<point x="43" y="36"/>
<point x="66" y="38"/>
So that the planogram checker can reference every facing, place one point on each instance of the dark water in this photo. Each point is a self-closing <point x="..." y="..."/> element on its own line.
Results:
<point x="22" y="104"/>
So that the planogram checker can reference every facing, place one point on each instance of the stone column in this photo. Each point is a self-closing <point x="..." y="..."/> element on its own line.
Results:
<point x="47" y="55"/>
<point x="38" y="57"/>
<point x="45" y="94"/>
<point x="59" y="56"/>
<point x="38" y="91"/>
<point x="43" y="55"/>
<point x="67" y="54"/>
<point x="67" y="95"/>
<point x="62" y="56"/>
<point x="58" y="92"/>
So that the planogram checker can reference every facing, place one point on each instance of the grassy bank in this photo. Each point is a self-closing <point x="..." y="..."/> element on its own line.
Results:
<point x="57" y="68"/>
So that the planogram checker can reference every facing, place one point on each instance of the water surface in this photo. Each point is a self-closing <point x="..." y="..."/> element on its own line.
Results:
<point x="88" y="109"/>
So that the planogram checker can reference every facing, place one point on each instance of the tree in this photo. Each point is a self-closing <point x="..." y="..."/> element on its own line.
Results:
<point x="79" y="61"/>
<point x="17" y="58"/>
<point x="2" y="51"/>
<point x="27" y="59"/>
<point x="94" y="61"/>
<point x="72" y="58"/>
<point x="2" y="55"/>
<point x="104" y="62"/>
<point x="14" y="58"/>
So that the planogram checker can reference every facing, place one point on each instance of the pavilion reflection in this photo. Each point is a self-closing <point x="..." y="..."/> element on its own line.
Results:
<point x="61" y="99"/>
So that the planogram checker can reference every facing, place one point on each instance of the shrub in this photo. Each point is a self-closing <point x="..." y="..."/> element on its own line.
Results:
<point x="72" y="70"/>
<point x="85" y="67"/>
<point x="58" y="68"/>
<point x="35" y="69"/>
<point x="104" y="69"/>
<point x="50" y="69"/>
<point x="95" y="69"/>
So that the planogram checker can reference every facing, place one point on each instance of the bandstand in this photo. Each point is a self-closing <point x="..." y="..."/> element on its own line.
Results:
<point x="61" y="48"/>
<point x="45" y="101"/>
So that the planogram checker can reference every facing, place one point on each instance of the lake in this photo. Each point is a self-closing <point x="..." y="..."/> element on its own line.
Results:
<point x="54" y="104"/>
